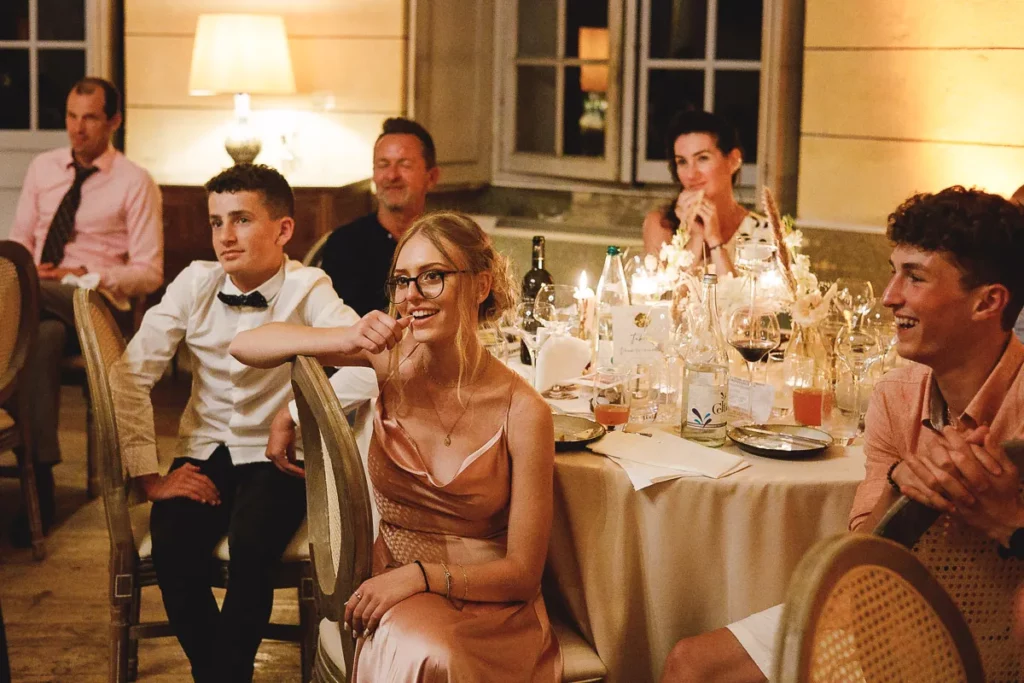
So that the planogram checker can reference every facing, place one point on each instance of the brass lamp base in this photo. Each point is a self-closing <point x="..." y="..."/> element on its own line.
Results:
<point x="243" y="143"/>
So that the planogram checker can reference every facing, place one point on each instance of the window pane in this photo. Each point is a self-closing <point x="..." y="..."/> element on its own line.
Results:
<point x="736" y="98"/>
<point x="584" y="126"/>
<point x="535" y="109"/>
<point x="678" y="29"/>
<point x="14" y="114"/>
<point x="669" y="92"/>
<point x="538" y="28"/>
<point x="61" y="19"/>
<point x="14" y="20"/>
<point x="739" y="29"/>
<point x="580" y="14"/>
<point x="58" y="71"/>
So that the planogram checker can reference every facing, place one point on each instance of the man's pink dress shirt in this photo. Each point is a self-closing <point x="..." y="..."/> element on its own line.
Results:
<point x="118" y="226"/>
<point x="906" y="410"/>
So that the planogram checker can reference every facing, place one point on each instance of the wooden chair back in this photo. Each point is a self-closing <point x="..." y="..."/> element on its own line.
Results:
<point x="863" y="608"/>
<point x="19" y="313"/>
<point x="315" y="256"/>
<point x="337" y="498"/>
<point x="970" y="569"/>
<point x="102" y="346"/>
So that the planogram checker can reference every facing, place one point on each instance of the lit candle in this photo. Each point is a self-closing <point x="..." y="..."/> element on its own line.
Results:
<point x="586" y="302"/>
<point x="644" y="288"/>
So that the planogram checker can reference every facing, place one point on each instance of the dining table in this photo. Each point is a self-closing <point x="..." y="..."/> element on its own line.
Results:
<point x="637" y="570"/>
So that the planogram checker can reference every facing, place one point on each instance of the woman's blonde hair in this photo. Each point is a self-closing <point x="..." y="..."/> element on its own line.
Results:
<point x="465" y="246"/>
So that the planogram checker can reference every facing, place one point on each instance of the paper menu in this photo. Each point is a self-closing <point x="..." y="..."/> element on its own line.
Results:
<point x="637" y="332"/>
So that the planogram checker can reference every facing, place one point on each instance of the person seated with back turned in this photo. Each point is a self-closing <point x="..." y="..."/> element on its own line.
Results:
<point x="84" y="211"/>
<point x="704" y="156"/>
<point x="933" y="428"/>
<point x="221" y="482"/>
<point x="465" y="502"/>
<point x="357" y="256"/>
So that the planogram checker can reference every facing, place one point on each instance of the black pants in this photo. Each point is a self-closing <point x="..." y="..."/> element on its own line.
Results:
<point x="260" y="510"/>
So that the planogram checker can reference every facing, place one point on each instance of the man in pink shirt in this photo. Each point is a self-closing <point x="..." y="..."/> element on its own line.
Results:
<point x="933" y="429"/>
<point x="88" y="213"/>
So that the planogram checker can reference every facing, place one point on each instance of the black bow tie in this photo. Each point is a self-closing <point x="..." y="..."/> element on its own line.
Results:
<point x="252" y="299"/>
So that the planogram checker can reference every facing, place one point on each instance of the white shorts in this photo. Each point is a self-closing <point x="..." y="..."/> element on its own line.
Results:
<point x="756" y="634"/>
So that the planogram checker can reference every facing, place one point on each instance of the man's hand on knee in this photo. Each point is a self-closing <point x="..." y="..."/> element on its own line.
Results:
<point x="185" y="482"/>
<point x="281" y="444"/>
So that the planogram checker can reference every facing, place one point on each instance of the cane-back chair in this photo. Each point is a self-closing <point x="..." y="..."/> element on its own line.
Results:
<point x="862" y="608"/>
<point x="969" y="567"/>
<point x="19" y="324"/>
<point x="131" y="563"/>
<point x="341" y="532"/>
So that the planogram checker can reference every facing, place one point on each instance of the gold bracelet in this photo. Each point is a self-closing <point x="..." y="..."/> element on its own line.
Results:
<point x="447" y="582"/>
<point x="465" y="583"/>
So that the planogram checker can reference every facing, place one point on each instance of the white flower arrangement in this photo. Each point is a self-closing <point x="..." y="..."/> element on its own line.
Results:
<point x="812" y="307"/>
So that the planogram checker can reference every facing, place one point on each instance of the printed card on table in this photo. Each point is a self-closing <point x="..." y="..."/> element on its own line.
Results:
<point x="636" y="333"/>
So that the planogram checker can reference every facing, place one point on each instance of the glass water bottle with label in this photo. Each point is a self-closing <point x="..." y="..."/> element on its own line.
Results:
<point x="706" y="375"/>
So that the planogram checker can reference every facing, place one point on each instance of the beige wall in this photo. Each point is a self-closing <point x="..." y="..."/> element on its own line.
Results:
<point x="349" y="63"/>
<point x="901" y="96"/>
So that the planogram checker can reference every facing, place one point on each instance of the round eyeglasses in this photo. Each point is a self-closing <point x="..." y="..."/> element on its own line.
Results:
<point x="430" y="283"/>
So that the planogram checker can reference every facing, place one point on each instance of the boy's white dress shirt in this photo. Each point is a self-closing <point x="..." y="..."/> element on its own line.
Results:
<point x="230" y="403"/>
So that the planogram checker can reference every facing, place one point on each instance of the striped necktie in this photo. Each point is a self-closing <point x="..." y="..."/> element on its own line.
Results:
<point x="62" y="228"/>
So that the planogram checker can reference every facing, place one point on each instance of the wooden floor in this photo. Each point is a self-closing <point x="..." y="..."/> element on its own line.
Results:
<point x="56" y="611"/>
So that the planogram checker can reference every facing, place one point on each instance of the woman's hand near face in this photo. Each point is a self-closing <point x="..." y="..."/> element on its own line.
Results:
<point x="707" y="216"/>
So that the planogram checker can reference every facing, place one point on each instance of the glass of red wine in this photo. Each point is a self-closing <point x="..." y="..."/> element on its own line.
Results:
<point x="755" y="333"/>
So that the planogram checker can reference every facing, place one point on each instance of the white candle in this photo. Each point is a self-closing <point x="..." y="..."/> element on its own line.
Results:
<point x="643" y="289"/>
<point x="586" y="302"/>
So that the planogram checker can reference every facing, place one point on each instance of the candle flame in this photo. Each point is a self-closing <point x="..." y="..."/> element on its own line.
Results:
<point x="583" y="280"/>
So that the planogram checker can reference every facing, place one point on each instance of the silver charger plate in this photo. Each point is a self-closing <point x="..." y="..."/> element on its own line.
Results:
<point x="780" y="447"/>
<point x="573" y="431"/>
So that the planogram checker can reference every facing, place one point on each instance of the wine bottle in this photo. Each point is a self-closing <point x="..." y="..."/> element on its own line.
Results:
<point x="532" y="282"/>
<point x="706" y="375"/>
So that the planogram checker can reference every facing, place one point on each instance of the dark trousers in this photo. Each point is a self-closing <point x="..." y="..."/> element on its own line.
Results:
<point x="260" y="510"/>
<point x="56" y="339"/>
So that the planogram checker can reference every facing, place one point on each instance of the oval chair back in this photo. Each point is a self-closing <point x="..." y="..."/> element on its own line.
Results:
<point x="967" y="564"/>
<point x="337" y="497"/>
<point x="862" y="608"/>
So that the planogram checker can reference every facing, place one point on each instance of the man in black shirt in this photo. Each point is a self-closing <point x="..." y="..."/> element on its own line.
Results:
<point x="357" y="256"/>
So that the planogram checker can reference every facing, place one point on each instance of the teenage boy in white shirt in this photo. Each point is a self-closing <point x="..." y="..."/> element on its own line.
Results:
<point x="222" y="481"/>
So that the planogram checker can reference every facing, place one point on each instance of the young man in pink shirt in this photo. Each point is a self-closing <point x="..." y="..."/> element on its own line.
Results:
<point x="88" y="214"/>
<point x="934" y="428"/>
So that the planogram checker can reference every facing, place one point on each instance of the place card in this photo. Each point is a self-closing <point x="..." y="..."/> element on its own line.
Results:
<point x="740" y="393"/>
<point x="637" y="332"/>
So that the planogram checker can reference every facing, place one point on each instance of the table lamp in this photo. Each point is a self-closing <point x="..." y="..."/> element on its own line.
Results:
<point x="242" y="54"/>
<point x="594" y="81"/>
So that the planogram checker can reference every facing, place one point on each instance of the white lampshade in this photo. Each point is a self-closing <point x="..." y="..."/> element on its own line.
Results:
<point x="241" y="53"/>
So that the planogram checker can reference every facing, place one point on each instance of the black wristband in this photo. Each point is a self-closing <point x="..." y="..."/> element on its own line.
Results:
<point x="888" y="476"/>
<point x="717" y="246"/>
<point x="423" y="571"/>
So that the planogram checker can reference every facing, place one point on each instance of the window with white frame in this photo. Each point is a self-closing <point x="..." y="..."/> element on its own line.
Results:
<point x="659" y="56"/>
<point x="44" y="50"/>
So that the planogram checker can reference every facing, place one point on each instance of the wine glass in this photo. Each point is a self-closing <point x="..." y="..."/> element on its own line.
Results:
<point x="525" y="324"/>
<point x="754" y="333"/>
<point x="854" y="298"/>
<point x="558" y="310"/>
<point x="880" y="322"/>
<point x="857" y="348"/>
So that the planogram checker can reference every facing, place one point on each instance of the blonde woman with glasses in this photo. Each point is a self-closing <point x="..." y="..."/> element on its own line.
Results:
<point x="465" y="501"/>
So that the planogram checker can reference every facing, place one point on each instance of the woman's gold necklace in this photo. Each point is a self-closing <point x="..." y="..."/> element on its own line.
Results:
<point x="433" y="404"/>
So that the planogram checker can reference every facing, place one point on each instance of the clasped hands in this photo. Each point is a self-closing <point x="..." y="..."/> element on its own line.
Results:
<point x="967" y="475"/>
<point x="705" y="228"/>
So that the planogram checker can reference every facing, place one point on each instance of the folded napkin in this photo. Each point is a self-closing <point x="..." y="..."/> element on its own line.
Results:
<point x="92" y="281"/>
<point x="663" y="450"/>
<point x="642" y="476"/>
<point x="560" y="358"/>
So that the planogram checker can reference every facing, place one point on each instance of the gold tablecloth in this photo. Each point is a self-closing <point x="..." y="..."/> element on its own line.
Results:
<point x="638" y="570"/>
